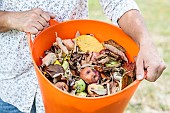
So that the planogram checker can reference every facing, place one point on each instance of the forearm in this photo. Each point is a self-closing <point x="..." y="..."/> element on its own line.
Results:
<point x="132" y="23"/>
<point x="4" y="21"/>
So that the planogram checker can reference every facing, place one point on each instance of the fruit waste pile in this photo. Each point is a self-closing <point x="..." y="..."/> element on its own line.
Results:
<point x="87" y="68"/>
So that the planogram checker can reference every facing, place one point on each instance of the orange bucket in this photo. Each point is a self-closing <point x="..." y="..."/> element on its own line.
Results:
<point x="57" y="101"/>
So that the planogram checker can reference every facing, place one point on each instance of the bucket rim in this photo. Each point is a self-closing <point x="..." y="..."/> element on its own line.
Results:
<point x="78" y="20"/>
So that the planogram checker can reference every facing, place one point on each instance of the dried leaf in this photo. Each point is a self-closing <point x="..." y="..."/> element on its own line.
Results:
<point x="117" y="76"/>
<point x="50" y="58"/>
<point x="60" y="44"/>
<point x="130" y="68"/>
<point x="68" y="43"/>
<point x="54" y="69"/>
<point x="102" y="59"/>
<point x="113" y="64"/>
<point x="113" y="43"/>
<point x="126" y="80"/>
<point x="108" y="88"/>
<point x="100" y="91"/>
<point x="116" y="51"/>
<point x="113" y="87"/>
<point x="62" y="86"/>
<point x="65" y="65"/>
<point x="77" y="34"/>
<point x="96" y="90"/>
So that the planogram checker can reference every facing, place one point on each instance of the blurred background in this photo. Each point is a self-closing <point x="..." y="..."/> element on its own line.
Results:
<point x="150" y="97"/>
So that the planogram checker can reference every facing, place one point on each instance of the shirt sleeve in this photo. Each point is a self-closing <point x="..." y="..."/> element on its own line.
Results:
<point x="114" y="9"/>
<point x="0" y="5"/>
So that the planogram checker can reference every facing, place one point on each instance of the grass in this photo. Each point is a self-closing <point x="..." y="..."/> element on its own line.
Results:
<point x="155" y="12"/>
<point x="150" y="97"/>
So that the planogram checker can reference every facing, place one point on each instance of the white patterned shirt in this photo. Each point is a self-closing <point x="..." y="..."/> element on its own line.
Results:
<point x="18" y="82"/>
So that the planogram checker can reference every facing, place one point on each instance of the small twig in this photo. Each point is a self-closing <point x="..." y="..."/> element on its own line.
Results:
<point x="108" y="88"/>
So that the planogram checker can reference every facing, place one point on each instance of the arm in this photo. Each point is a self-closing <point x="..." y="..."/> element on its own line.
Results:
<point x="27" y="21"/>
<point x="132" y="23"/>
<point x="125" y="13"/>
<point x="3" y="23"/>
<point x="148" y="58"/>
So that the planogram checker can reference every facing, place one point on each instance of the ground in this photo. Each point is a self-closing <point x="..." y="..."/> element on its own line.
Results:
<point x="150" y="97"/>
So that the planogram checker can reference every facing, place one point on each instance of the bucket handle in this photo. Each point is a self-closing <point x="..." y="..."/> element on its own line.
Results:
<point x="52" y="22"/>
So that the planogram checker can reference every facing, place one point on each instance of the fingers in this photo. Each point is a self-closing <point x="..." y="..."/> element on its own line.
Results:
<point x="33" y="30"/>
<point x="139" y="68"/>
<point x="161" y="68"/>
<point x="154" y="71"/>
<point x="42" y="21"/>
<point x="39" y="20"/>
<point x="33" y="27"/>
<point x="151" y="60"/>
<point x="44" y="18"/>
<point x="152" y="74"/>
<point x="32" y="21"/>
<point x="45" y="15"/>
<point x="37" y="25"/>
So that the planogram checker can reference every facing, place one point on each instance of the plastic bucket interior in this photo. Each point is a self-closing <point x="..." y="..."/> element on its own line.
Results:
<point x="57" y="101"/>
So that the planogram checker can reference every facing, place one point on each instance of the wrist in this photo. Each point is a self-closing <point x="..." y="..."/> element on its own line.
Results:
<point x="10" y="20"/>
<point x="4" y="25"/>
<point x="145" y="40"/>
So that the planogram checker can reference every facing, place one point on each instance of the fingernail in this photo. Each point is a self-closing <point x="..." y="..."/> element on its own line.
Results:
<point x="139" y="77"/>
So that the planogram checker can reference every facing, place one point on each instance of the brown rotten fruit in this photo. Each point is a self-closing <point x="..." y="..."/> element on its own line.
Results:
<point x="89" y="75"/>
<point x="62" y="86"/>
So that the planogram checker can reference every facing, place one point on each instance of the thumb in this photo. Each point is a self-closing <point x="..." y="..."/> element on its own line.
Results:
<point x="139" y="68"/>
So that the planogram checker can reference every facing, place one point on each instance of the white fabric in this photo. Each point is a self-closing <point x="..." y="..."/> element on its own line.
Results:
<point x="18" y="82"/>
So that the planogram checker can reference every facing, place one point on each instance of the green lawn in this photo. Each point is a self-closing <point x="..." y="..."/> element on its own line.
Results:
<point x="155" y="12"/>
<point x="149" y="97"/>
<point x="157" y="15"/>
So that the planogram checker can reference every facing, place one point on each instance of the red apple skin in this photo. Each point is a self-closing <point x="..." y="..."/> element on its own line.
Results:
<point x="89" y="75"/>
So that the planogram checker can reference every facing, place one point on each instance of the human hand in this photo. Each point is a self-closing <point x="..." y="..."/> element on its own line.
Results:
<point x="149" y="59"/>
<point x="31" y="21"/>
